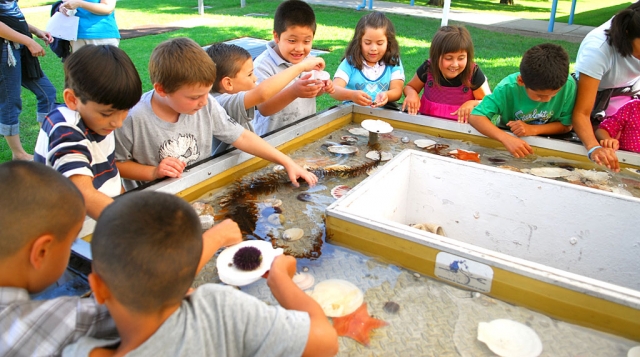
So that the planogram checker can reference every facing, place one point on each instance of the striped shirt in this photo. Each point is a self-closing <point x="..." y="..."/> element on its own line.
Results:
<point x="70" y="147"/>
<point x="44" y="327"/>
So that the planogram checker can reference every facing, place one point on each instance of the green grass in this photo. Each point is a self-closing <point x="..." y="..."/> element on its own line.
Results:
<point x="497" y="55"/>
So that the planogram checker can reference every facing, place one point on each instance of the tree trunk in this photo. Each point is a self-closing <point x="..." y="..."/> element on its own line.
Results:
<point x="439" y="3"/>
<point x="506" y="2"/>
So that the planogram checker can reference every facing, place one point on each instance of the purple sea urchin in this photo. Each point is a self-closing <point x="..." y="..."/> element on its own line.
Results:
<point x="247" y="258"/>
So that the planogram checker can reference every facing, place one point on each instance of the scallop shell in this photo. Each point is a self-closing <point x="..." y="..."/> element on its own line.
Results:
<point x="337" y="297"/>
<point x="377" y="126"/>
<point x="343" y="149"/>
<point x="359" y="131"/>
<point x="202" y="208"/>
<point x="273" y="202"/>
<point x="231" y="275"/>
<point x="292" y="234"/>
<point x="304" y="280"/>
<point x="206" y="221"/>
<point x="340" y="191"/>
<point x="510" y="338"/>
<point x="374" y="155"/>
<point x="424" y="143"/>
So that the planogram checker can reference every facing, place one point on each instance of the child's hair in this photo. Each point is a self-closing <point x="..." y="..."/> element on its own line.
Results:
<point x="228" y="59"/>
<point x="179" y="62"/>
<point x="103" y="74"/>
<point x="450" y="39"/>
<point x="36" y="200"/>
<point x="293" y="13"/>
<point x="373" y="20"/>
<point x="545" y="67"/>
<point x="625" y="27"/>
<point x="146" y="247"/>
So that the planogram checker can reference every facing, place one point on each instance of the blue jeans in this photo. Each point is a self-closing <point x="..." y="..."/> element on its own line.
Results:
<point x="10" y="100"/>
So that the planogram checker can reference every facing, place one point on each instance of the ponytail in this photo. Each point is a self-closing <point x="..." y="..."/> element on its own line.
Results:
<point x="625" y="27"/>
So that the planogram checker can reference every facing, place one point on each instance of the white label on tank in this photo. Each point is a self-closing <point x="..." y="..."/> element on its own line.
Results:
<point x="465" y="272"/>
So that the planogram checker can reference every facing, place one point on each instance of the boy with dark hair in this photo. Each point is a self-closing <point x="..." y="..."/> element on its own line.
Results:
<point x="146" y="296"/>
<point x="78" y="140"/>
<point x="41" y="214"/>
<point x="235" y="86"/>
<point x="294" y="26"/>
<point x="179" y="123"/>
<point x="536" y="101"/>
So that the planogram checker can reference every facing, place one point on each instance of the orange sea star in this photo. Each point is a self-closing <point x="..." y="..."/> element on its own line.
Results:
<point x="466" y="155"/>
<point x="357" y="325"/>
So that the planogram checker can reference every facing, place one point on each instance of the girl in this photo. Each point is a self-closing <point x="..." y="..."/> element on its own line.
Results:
<point x="453" y="84"/>
<point x="622" y="130"/>
<point x="371" y="73"/>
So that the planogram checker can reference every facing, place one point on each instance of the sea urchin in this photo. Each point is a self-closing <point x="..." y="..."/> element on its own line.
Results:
<point x="247" y="258"/>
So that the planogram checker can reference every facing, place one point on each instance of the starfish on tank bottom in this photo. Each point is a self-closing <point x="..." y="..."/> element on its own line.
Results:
<point x="357" y="325"/>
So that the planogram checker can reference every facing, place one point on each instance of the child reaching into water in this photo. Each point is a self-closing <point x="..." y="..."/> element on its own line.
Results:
<point x="454" y="84"/>
<point x="622" y="129"/>
<point x="371" y="73"/>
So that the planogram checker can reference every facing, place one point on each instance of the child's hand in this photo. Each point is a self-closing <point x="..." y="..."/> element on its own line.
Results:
<point x="381" y="99"/>
<point x="313" y="63"/>
<point x="361" y="98"/>
<point x="169" y="167"/>
<point x="520" y="128"/>
<point x="307" y="88"/>
<point x="465" y="110"/>
<point x="295" y="171"/>
<point x="606" y="157"/>
<point x="226" y="233"/>
<point x="517" y="147"/>
<point x="282" y="264"/>
<point x="411" y="103"/>
<point x="610" y="143"/>
<point x="328" y="87"/>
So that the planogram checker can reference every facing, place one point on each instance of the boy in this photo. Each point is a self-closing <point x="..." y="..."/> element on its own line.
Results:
<point x="78" y="140"/>
<point x="174" y="124"/>
<point x="41" y="214"/>
<point x="146" y="296"/>
<point x="294" y="25"/>
<point x="235" y="86"/>
<point x="536" y="101"/>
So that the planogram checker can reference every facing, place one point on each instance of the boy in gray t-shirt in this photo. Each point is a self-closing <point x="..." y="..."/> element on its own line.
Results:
<point x="179" y="123"/>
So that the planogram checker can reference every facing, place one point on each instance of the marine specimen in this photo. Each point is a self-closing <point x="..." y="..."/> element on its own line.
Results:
<point x="510" y="338"/>
<point x="357" y="325"/>
<point x="247" y="258"/>
<point x="465" y="155"/>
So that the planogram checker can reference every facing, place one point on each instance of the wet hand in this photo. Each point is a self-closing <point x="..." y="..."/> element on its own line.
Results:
<point x="464" y="111"/>
<point x="169" y="167"/>
<point x="295" y="171"/>
<point x="411" y="104"/>
<point x="520" y="128"/>
<point x="606" y="157"/>
<point x="282" y="264"/>
<point x="610" y="144"/>
<point x="381" y="99"/>
<point x="361" y="98"/>
<point x="517" y="147"/>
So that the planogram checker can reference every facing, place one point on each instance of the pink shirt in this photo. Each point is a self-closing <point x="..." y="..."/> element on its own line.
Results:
<point x="626" y="123"/>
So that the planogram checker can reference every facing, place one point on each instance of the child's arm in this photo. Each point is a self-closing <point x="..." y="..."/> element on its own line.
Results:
<point x="274" y="84"/>
<point x="465" y="109"/>
<point x="341" y="93"/>
<point x="301" y="88"/>
<point x="253" y="144"/>
<point x="412" y="95"/>
<point x="223" y="234"/>
<point x="12" y="35"/>
<point x="168" y="167"/>
<point x="95" y="201"/>
<point x="104" y="7"/>
<point x="394" y="93"/>
<point x="323" y="338"/>
<point x="520" y="128"/>
<point x="606" y="140"/>
<point x="516" y="146"/>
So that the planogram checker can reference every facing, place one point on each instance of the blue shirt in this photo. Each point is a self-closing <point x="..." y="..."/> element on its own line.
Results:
<point x="358" y="81"/>
<point x="92" y="26"/>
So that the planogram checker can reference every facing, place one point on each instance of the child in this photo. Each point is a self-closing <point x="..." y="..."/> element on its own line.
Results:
<point x="172" y="125"/>
<point x="146" y="296"/>
<point x="78" y="140"/>
<point x="235" y="86"/>
<point x="41" y="215"/>
<point x="371" y="73"/>
<point x="294" y="25"/>
<point x="622" y="129"/>
<point x="454" y="85"/>
<point x="536" y="101"/>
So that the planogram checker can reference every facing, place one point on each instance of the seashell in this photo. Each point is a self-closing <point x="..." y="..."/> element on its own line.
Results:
<point x="276" y="219"/>
<point x="304" y="280"/>
<point x="337" y="297"/>
<point x="206" y="221"/>
<point x="391" y="307"/>
<point x="600" y="177"/>
<point x="424" y="143"/>
<point x="343" y="149"/>
<point x="374" y="155"/>
<point x="202" y="208"/>
<point x="377" y="126"/>
<point x="430" y="227"/>
<point x="405" y="139"/>
<point x="230" y="274"/>
<point x="339" y="191"/>
<point x="359" y="131"/>
<point x="634" y="352"/>
<point x="510" y="338"/>
<point x="273" y="202"/>
<point x="548" y="172"/>
<point x="349" y="138"/>
<point x="278" y="168"/>
<point x="292" y="234"/>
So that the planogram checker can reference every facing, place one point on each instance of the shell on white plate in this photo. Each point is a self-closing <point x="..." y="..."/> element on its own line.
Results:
<point x="377" y="126"/>
<point x="424" y="143"/>
<point x="375" y="155"/>
<point x="359" y="131"/>
<point x="337" y="297"/>
<point x="206" y="221"/>
<point x="340" y="191"/>
<point x="304" y="280"/>
<point x="292" y="234"/>
<point x="343" y="149"/>
<point x="508" y="338"/>
<point x="231" y="275"/>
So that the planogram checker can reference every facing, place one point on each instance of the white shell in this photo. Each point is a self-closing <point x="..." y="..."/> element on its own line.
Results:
<point x="340" y="191"/>
<point x="278" y="168"/>
<point x="600" y="177"/>
<point x="234" y="276"/>
<point x="508" y="338"/>
<point x="377" y="126"/>
<point x="322" y="75"/>
<point x="273" y="202"/>
<point x="359" y="131"/>
<point x="292" y="234"/>
<point x="424" y="143"/>
<point x="206" y="221"/>
<point x="337" y="297"/>
<point x="304" y="280"/>
<point x="343" y="149"/>
<point x="373" y="155"/>
<point x="634" y="352"/>
<point x="549" y="172"/>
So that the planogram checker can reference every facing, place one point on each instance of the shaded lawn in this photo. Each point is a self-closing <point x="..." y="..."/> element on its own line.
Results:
<point x="498" y="54"/>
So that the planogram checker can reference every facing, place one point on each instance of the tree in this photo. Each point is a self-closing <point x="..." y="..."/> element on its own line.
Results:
<point x="439" y="3"/>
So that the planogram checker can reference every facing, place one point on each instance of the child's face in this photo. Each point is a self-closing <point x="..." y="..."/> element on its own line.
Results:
<point x="245" y="79"/>
<point x="374" y="45"/>
<point x="56" y="262"/>
<point x="101" y="118"/>
<point x="189" y="99"/>
<point x="452" y="64"/>
<point x="294" y="44"/>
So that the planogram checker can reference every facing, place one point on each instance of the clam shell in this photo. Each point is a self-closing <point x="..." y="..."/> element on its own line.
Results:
<point x="510" y="338"/>
<point x="231" y="275"/>
<point x="206" y="221"/>
<point x="304" y="280"/>
<point x="359" y="131"/>
<point x="374" y="155"/>
<point x="292" y="234"/>
<point x="377" y="126"/>
<point x="424" y="143"/>
<point x="337" y="297"/>
<point x="343" y="150"/>
<point x="273" y="202"/>
<point x="340" y="191"/>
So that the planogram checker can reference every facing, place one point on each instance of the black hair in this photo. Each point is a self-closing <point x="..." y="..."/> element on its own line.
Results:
<point x="545" y="67"/>
<point x="293" y="13"/>
<point x="373" y="20"/>
<point x="228" y="59"/>
<point x="625" y="27"/>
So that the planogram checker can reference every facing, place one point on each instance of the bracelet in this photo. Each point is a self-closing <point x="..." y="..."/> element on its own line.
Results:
<point x="592" y="150"/>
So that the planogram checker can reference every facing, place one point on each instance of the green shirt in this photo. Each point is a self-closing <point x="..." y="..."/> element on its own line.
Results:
<point x="509" y="101"/>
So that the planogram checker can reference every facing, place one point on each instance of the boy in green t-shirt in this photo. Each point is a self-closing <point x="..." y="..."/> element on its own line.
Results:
<point x="536" y="101"/>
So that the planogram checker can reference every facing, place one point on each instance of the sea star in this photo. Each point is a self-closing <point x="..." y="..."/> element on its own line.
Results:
<point x="466" y="155"/>
<point x="357" y="325"/>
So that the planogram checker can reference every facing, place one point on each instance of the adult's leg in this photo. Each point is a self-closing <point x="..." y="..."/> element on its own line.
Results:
<point x="45" y="93"/>
<point x="11" y="103"/>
